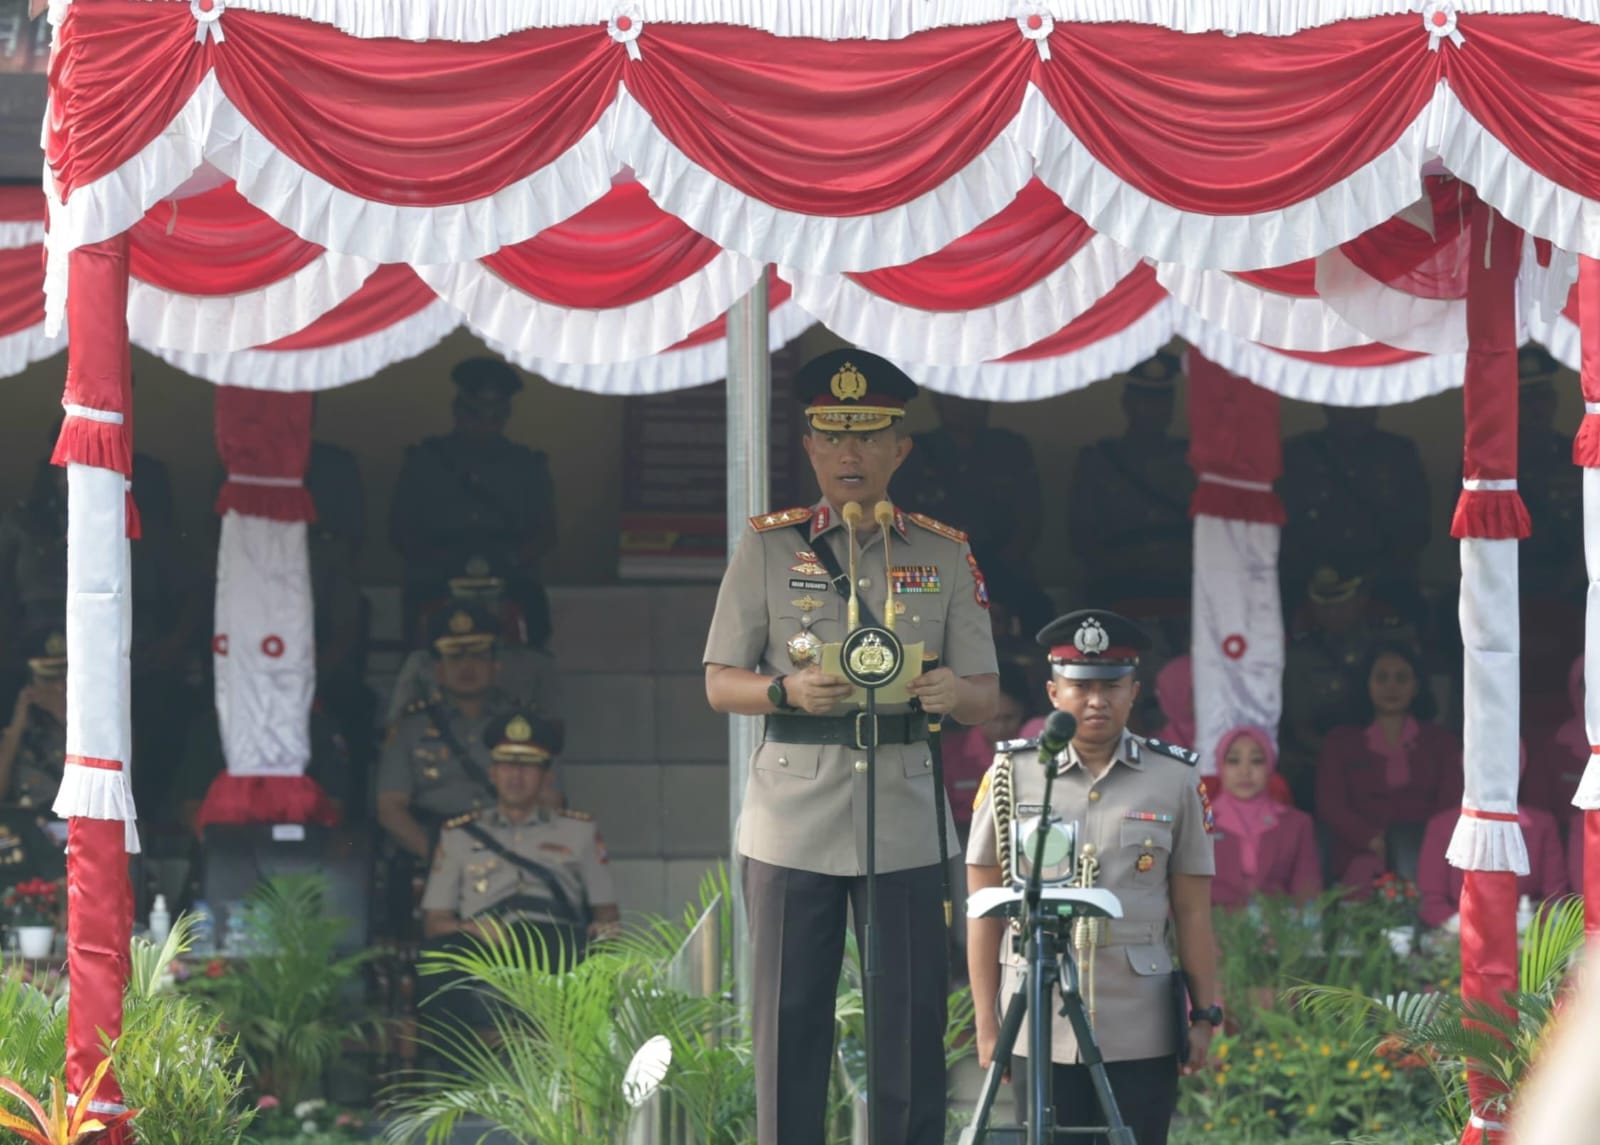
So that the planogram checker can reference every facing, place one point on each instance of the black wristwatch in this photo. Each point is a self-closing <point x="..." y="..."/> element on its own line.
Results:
<point x="1211" y="1016"/>
<point x="776" y="694"/>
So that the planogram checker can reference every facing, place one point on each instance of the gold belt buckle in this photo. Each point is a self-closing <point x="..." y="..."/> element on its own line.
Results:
<point x="861" y="743"/>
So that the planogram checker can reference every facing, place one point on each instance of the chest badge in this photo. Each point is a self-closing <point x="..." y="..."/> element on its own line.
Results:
<point x="430" y="773"/>
<point x="804" y="648"/>
<point x="481" y="886"/>
<point x="807" y="603"/>
<point x="807" y="564"/>
<point x="915" y="578"/>
<point x="1145" y="861"/>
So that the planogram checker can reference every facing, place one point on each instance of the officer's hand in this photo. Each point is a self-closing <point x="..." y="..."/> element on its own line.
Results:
<point x="988" y="1036"/>
<point x="25" y="700"/>
<point x="936" y="691"/>
<point x="816" y="692"/>
<point x="1199" y="1043"/>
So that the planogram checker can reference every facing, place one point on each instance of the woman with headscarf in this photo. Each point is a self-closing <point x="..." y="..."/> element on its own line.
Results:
<point x="1440" y="884"/>
<point x="1557" y="760"/>
<point x="1395" y="767"/>
<point x="1263" y="846"/>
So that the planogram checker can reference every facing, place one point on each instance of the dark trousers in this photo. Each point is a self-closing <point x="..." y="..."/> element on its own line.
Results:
<point x="1146" y="1090"/>
<point x="797" y="926"/>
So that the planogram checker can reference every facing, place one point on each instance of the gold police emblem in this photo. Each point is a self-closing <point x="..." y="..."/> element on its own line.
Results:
<point x="477" y="567"/>
<point x="803" y="648"/>
<point x="519" y="730"/>
<point x="461" y="624"/>
<point x="849" y="384"/>
<point x="55" y="645"/>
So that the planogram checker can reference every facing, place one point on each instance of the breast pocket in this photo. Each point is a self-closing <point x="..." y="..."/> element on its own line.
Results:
<point x="1146" y="849"/>
<point x="796" y="761"/>
<point x="922" y="622"/>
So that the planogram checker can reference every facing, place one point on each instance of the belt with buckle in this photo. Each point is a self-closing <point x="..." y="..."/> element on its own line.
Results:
<point x="847" y="731"/>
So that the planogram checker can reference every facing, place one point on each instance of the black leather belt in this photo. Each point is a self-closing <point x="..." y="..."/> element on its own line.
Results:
<point x="847" y="731"/>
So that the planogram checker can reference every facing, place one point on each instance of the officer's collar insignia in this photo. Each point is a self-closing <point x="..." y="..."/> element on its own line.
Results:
<point x="1091" y="638"/>
<point x="849" y="384"/>
<point x="461" y="623"/>
<point x="519" y="730"/>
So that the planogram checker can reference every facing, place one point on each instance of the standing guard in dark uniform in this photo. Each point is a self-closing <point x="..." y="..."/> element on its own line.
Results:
<point x="802" y="833"/>
<point x="1128" y="507"/>
<point x="1356" y="497"/>
<point x="1144" y="833"/>
<point x="33" y="747"/>
<point x="471" y="493"/>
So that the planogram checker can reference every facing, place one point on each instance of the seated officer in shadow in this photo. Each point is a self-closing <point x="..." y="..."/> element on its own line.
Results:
<point x="33" y="746"/>
<point x="542" y="874"/>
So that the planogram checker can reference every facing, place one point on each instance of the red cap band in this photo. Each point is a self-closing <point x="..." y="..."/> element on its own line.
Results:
<point x="1069" y="652"/>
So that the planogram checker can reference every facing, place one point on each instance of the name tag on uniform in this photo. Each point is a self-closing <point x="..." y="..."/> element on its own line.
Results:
<point x="809" y="585"/>
<point x="1029" y="809"/>
<point x="915" y="578"/>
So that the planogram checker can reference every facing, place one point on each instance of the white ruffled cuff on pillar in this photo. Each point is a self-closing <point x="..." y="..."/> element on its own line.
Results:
<point x="1480" y="844"/>
<point x="1587" y="797"/>
<point x="95" y="791"/>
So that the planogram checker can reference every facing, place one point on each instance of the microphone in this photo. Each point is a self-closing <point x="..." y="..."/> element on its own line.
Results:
<point x="883" y="513"/>
<point x="1057" y="734"/>
<point x="851" y="512"/>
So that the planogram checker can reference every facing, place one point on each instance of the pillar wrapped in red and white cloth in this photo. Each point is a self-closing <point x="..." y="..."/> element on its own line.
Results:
<point x="96" y="797"/>
<point x="1236" y="453"/>
<point x="1586" y="452"/>
<point x="264" y="647"/>
<point x="1490" y="520"/>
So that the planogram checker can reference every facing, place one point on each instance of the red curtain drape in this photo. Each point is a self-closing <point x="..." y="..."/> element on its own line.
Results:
<point x="1235" y="447"/>
<point x="264" y="440"/>
<point x="214" y="243"/>
<point x="21" y="289"/>
<point x="1133" y="298"/>
<point x="393" y="294"/>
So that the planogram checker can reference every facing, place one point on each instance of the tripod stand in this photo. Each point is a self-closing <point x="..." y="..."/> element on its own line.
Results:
<point x="1046" y="912"/>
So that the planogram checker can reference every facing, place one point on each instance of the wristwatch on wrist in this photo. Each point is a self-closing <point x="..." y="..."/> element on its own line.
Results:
<point x="778" y="696"/>
<point x="1211" y="1016"/>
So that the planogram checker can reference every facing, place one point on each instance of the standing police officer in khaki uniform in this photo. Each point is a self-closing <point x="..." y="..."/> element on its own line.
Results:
<point x="1139" y="804"/>
<point x="802" y="834"/>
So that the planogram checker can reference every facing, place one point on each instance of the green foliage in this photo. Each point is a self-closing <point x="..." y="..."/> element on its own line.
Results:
<point x="33" y="1035"/>
<point x="288" y="1001"/>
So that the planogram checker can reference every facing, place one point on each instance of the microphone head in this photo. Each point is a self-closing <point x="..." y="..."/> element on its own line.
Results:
<point x="1058" y="732"/>
<point x="851" y="512"/>
<point x="883" y="513"/>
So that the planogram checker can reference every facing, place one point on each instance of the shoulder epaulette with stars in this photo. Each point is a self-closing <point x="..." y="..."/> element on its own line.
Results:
<point x="1181" y="754"/>
<point x="1010" y="745"/>
<point x="765" y="522"/>
<point x="461" y="820"/>
<point x="416" y="706"/>
<point x="580" y="816"/>
<point x="949" y="532"/>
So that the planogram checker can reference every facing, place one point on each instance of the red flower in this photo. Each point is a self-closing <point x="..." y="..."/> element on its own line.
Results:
<point x="215" y="968"/>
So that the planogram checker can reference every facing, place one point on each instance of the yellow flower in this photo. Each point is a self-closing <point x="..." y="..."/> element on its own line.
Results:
<point x="1207" y="1127"/>
<point x="1290" y="1072"/>
<point x="1325" y="1049"/>
<point x="1233" y="1121"/>
<point x="1311" y="1110"/>
<point x="1365" y="1074"/>
<point x="1222" y="1051"/>
<point x="1273" y="1047"/>
<point x="1352" y="1065"/>
<point x="1277" y="1057"/>
<point x="1272" y="1113"/>
<point x="1260" y="1053"/>
<point x="1377" y="1124"/>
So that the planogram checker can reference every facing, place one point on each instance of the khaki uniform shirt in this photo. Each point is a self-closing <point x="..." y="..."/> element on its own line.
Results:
<point x="417" y="760"/>
<point x="469" y="879"/>
<point x="806" y="804"/>
<point x="1147" y="820"/>
<point x="527" y="675"/>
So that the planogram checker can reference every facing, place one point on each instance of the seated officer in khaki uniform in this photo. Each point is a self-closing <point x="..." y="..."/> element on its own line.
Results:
<point x="434" y="764"/>
<point x="33" y="747"/>
<point x="542" y="874"/>
<point x="802" y="833"/>
<point x="1139" y="803"/>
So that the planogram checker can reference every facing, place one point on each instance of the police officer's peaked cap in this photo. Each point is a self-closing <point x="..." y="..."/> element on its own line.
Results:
<point x="1534" y="364"/>
<point x="485" y="377"/>
<point x="47" y="654"/>
<point x="1094" y="644"/>
<point x="459" y="627"/>
<point x="1330" y="586"/>
<point x="1159" y="373"/>
<point x="523" y="737"/>
<point x="853" y="391"/>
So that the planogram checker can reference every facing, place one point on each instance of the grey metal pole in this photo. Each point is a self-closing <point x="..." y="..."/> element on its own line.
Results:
<point x="749" y="396"/>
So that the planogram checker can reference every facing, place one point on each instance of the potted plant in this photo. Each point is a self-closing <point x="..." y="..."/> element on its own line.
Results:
<point x="33" y="907"/>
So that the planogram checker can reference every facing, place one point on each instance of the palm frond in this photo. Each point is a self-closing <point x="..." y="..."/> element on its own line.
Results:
<point x="1553" y="939"/>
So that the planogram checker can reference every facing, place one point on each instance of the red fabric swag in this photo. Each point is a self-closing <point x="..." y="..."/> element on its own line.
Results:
<point x="407" y="123"/>
<point x="1234" y="125"/>
<point x="265" y="799"/>
<point x="264" y="434"/>
<point x="1586" y="446"/>
<point x="391" y="295"/>
<point x="619" y="250"/>
<point x="1403" y="255"/>
<point x="1298" y="278"/>
<point x="843" y="128"/>
<point x="1490" y="392"/>
<point x="21" y="289"/>
<point x="1130" y="300"/>
<point x="1355" y="357"/>
<point x="1234" y="435"/>
<point x="1030" y="239"/>
<point x="214" y="243"/>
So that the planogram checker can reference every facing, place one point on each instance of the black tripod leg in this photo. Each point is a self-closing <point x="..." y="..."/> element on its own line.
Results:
<point x="1072" y="1009"/>
<point x="1010" y="1024"/>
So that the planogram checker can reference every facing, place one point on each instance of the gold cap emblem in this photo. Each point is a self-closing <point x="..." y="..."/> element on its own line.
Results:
<point x="519" y="730"/>
<point x="849" y="384"/>
<point x="477" y="567"/>
<point x="461" y="623"/>
<point x="55" y="645"/>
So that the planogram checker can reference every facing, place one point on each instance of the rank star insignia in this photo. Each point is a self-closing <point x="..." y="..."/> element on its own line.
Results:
<point x="807" y="603"/>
